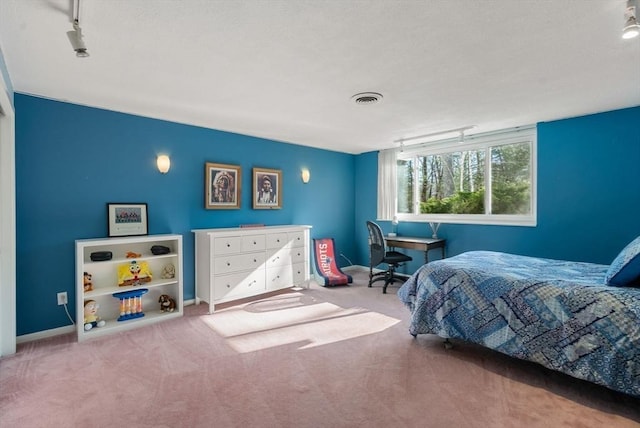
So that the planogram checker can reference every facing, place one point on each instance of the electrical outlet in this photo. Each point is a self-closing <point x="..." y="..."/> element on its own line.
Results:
<point x="62" y="298"/>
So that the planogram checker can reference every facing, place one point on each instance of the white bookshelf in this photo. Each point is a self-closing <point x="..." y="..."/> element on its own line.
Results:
<point x="105" y="281"/>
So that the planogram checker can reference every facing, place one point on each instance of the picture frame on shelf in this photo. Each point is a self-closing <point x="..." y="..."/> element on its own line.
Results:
<point x="127" y="219"/>
<point x="222" y="186"/>
<point x="267" y="188"/>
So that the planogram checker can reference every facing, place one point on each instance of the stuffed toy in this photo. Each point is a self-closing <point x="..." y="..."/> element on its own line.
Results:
<point x="88" y="284"/>
<point x="167" y="304"/>
<point x="91" y="318"/>
<point x="134" y="273"/>
<point x="169" y="271"/>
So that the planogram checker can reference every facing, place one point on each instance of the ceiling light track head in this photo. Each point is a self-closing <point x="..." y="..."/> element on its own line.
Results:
<point x="631" y="27"/>
<point x="75" y="36"/>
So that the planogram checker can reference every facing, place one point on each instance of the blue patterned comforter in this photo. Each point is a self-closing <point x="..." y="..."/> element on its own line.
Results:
<point x="555" y="313"/>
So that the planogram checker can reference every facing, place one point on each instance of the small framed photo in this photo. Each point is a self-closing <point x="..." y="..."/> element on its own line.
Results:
<point x="267" y="188"/>
<point x="222" y="186"/>
<point x="127" y="219"/>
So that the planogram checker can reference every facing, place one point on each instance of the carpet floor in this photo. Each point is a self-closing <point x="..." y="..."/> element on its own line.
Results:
<point x="316" y="357"/>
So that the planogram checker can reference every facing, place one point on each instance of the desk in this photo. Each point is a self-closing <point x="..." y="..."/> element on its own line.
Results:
<point x="416" y="243"/>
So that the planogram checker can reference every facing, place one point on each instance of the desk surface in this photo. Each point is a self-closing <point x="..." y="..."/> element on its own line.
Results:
<point x="414" y="239"/>
<point x="417" y="243"/>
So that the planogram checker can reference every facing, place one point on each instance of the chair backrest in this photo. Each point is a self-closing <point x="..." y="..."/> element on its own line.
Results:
<point x="377" y="245"/>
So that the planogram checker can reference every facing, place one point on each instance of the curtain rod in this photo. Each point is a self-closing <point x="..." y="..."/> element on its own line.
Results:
<point x="467" y="137"/>
<point x="433" y="134"/>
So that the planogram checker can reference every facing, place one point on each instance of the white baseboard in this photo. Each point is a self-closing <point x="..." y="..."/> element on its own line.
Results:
<point x="63" y="330"/>
<point x="356" y="268"/>
<point x="45" y="334"/>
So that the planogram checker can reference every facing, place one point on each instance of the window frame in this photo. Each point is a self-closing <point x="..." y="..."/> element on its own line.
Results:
<point x="477" y="142"/>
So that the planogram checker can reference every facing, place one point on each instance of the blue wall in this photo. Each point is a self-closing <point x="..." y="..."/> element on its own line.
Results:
<point x="588" y="196"/>
<point x="71" y="160"/>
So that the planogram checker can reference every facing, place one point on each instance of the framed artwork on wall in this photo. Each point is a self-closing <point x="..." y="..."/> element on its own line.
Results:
<point x="222" y="186"/>
<point x="267" y="188"/>
<point x="127" y="219"/>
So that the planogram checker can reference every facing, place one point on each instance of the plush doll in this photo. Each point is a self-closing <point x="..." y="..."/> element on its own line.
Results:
<point x="91" y="318"/>
<point x="168" y="271"/>
<point x="88" y="284"/>
<point x="134" y="273"/>
<point x="167" y="304"/>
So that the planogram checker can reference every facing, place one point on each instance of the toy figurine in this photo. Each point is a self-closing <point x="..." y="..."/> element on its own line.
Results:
<point x="88" y="284"/>
<point x="91" y="318"/>
<point x="167" y="304"/>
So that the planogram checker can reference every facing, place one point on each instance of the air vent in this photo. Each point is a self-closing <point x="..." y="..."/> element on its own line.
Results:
<point x="367" y="98"/>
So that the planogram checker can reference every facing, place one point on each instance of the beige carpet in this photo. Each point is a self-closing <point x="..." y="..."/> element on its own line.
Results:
<point x="322" y="357"/>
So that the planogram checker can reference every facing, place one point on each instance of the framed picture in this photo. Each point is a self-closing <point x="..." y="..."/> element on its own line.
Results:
<point x="222" y="186"/>
<point x="127" y="219"/>
<point x="267" y="188"/>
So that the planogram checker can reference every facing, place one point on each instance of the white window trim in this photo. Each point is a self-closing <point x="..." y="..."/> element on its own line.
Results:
<point x="475" y="142"/>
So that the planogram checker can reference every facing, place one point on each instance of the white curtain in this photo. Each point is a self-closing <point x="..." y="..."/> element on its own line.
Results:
<point x="387" y="178"/>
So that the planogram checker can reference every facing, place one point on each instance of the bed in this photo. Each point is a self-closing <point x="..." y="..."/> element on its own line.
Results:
<point x="566" y="316"/>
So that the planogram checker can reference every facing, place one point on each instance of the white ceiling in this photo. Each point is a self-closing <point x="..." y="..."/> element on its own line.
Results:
<point x="286" y="69"/>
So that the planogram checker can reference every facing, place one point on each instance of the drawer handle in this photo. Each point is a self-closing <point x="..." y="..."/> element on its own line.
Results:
<point x="254" y="242"/>
<point x="228" y="245"/>
<point x="255" y="261"/>
<point x="228" y="264"/>
<point x="228" y="285"/>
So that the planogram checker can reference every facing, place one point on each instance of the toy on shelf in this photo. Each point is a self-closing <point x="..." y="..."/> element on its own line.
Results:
<point x="167" y="304"/>
<point x="88" y="282"/>
<point x="168" y="271"/>
<point x="130" y="303"/>
<point x="91" y="318"/>
<point x="132" y="255"/>
<point x="133" y="273"/>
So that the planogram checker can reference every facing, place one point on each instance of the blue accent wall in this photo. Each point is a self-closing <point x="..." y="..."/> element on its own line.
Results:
<point x="588" y="196"/>
<point x="72" y="160"/>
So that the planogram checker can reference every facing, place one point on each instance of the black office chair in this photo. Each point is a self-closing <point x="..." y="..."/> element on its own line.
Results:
<point x="378" y="254"/>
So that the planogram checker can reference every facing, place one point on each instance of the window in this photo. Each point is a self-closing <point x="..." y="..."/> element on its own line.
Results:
<point x="487" y="179"/>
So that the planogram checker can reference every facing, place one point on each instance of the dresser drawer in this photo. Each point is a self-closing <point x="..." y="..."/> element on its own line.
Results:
<point x="253" y="243"/>
<point x="279" y="277"/>
<point x="279" y="257"/>
<point x="237" y="285"/>
<point x="277" y="240"/>
<point x="296" y="239"/>
<point x="238" y="262"/>
<point x="299" y="273"/>
<point x="227" y="245"/>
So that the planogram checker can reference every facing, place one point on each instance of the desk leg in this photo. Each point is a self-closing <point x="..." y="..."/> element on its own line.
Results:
<point x="426" y="256"/>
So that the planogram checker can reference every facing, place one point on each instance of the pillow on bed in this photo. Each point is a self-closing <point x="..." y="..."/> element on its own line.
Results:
<point x="625" y="269"/>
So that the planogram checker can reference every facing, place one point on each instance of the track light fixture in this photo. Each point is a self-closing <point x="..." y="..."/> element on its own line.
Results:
<point x="75" y="35"/>
<point x="631" y="28"/>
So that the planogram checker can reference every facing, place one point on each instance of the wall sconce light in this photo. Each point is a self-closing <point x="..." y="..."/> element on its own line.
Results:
<point x="164" y="163"/>
<point x="306" y="175"/>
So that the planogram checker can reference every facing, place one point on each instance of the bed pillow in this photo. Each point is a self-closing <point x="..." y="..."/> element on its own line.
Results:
<point x="625" y="269"/>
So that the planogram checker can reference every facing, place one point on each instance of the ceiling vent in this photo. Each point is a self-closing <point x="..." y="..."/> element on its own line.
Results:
<point x="367" y="98"/>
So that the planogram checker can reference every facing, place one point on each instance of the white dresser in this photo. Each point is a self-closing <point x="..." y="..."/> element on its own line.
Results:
<point x="234" y="263"/>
